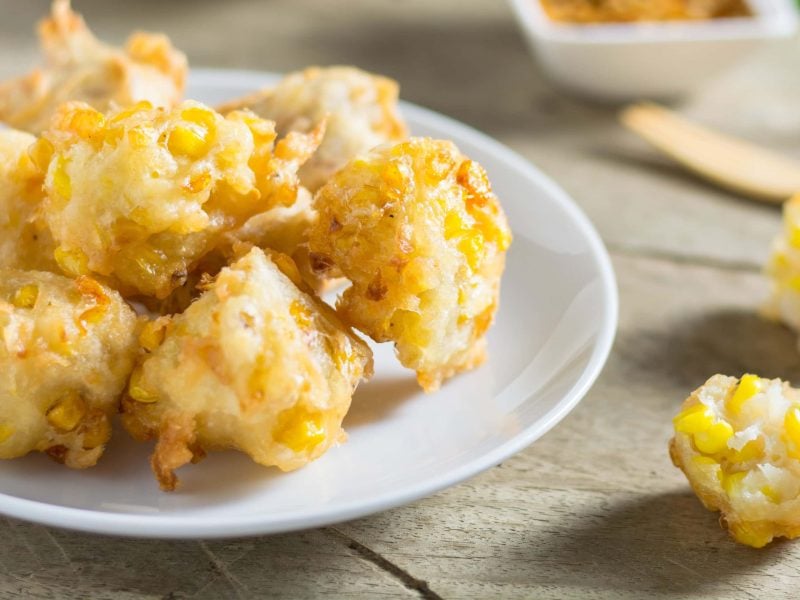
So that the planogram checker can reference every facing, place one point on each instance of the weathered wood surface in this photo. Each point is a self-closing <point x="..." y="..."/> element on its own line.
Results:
<point x="593" y="510"/>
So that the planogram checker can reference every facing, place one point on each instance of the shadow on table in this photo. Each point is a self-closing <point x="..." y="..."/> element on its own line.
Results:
<point x="659" y="544"/>
<point x="728" y="341"/>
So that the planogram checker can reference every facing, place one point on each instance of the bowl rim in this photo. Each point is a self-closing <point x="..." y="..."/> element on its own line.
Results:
<point x="772" y="19"/>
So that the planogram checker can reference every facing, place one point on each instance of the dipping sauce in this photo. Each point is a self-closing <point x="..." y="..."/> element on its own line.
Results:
<point x="621" y="11"/>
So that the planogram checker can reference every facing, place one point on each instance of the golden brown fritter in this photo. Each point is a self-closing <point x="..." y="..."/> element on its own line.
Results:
<point x="256" y="364"/>
<point x="419" y="233"/>
<point x="67" y="348"/>
<point x="601" y="11"/>
<point x="141" y="195"/>
<point x="78" y="67"/>
<point x="25" y="241"/>
<point x="360" y="110"/>
<point x="738" y="442"/>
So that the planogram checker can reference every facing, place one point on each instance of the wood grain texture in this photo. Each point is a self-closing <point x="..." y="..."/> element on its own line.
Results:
<point x="594" y="509"/>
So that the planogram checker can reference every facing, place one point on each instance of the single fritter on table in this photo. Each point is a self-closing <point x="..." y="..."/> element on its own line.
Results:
<point x="417" y="230"/>
<point x="67" y="348"/>
<point x="256" y="364"/>
<point x="738" y="442"/>
<point x="359" y="108"/>
<point x="141" y="195"/>
<point x="79" y="67"/>
<point x="25" y="241"/>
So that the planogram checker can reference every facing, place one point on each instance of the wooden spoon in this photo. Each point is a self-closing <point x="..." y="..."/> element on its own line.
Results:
<point x="729" y="162"/>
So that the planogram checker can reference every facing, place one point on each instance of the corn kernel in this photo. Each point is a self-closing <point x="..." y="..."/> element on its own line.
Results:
<point x="200" y="116"/>
<point x="794" y="236"/>
<point x="714" y="439"/>
<point x="694" y="419"/>
<point x="153" y="333"/>
<point x="300" y="314"/>
<point x="67" y="412"/>
<point x="137" y="138"/>
<point x="299" y="430"/>
<point x="453" y="225"/>
<point x="751" y="535"/>
<point x="472" y="246"/>
<point x="72" y="262"/>
<point x="750" y="451"/>
<point x="138" y="392"/>
<point x="25" y="297"/>
<point x="91" y="316"/>
<point x="140" y="106"/>
<point x="85" y="122"/>
<point x="749" y="386"/>
<point x="61" y="181"/>
<point x="198" y="183"/>
<point x="706" y="462"/>
<point x="791" y="432"/>
<point x="771" y="494"/>
<point x="5" y="432"/>
<point x="40" y="152"/>
<point x="187" y="141"/>
<point x="732" y="483"/>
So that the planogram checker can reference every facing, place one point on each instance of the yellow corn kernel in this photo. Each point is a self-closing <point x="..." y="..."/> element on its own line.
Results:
<point x="694" y="419"/>
<point x="97" y="433"/>
<point x="67" y="412"/>
<point x="198" y="183"/>
<point x="187" y="141"/>
<point x="40" y="152"/>
<point x="771" y="494"/>
<point x="91" y="316"/>
<point x="299" y="430"/>
<point x="794" y="236"/>
<point x="472" y="247"/>
<point x="714" y="439"/>
<point x="153" y="333"/>
<point x="72" y="262"/>
<point x="393" y="176"/>
<point x="85" y="122"/>
<point x="61" y="181"/>
<point x="140" y="106"/>
<point x="749" y="386"/>
<point x="200" y="116"/>
<point x="25" y="297"/>
<point x="791" y="432"/>
<point x="706" y="462"/>
<point x="5" y="432"/>
<point x="300" y="314"/>
<point x="750" y="451"/>
<point x="453" y="225"/>
<point x="751" y="534"/>
<point x="732" y="483"/>
<point x="138" y="392"/>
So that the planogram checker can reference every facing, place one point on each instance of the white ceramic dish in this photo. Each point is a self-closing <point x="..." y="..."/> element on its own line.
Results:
<point x="554" y="331"/>
<point x="620" y="62"/>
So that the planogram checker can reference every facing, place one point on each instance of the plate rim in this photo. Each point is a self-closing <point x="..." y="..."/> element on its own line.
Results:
<point x="157" y="526"/>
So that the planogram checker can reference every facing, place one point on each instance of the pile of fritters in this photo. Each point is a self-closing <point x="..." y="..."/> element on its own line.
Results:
<point x="221" y="227"/>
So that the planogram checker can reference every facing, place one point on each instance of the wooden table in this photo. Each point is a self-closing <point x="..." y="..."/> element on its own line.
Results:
<point x="594" y="509"/>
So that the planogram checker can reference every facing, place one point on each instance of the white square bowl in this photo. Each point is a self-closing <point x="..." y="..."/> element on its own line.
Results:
<point x="626" y="61"/>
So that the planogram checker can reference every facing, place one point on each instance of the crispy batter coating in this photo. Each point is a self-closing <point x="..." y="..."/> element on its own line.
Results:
<point x="78" y="67"/>
<point x="784" y="269"/>
<point x="256" y="364"/>
<point x="419" y="233"/>
<point x="738" y="442"/>
<point x="140" y="195"/>
<point x="25" y="241"/>
<point x="361" y="112"/>
<point x="601" y="11"/>
<point x="67" y="348"/>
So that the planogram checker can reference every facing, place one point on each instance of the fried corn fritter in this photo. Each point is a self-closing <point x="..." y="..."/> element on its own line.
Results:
<point x="784" y="269"/>
<point x="611" y="11"/>
<point x="25" y="241"/>
<point x="419" y="233"/>
<point x="140" y="195"/>
<point x="67" y="348"/>
<point x="79" y="67"/>
<point x="360" y="108"/>
<point x="738" y="442"/>
<point x="256" y="364"/>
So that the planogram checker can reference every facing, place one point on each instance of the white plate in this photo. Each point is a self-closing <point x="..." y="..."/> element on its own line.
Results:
<point x="553" y="333"/>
